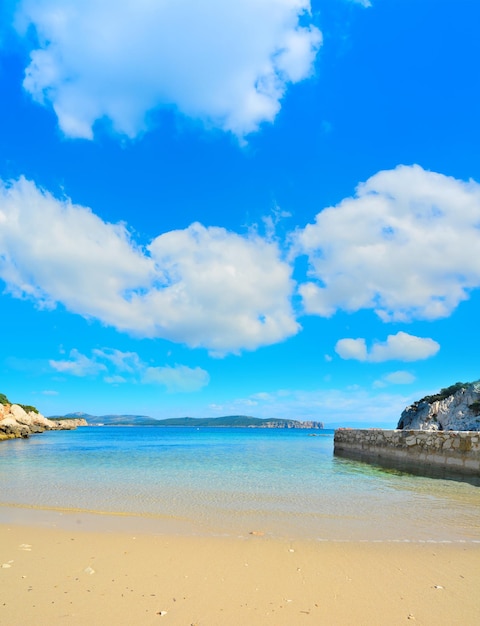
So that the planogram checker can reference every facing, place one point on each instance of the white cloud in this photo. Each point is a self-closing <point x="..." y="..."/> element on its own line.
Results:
<point x="352" y="349"/>
<point x="177" y="378"/>
<point x="122" y="361"/>
<point x="402" y="246"/>
<point x="206" y="287"/>
<point x="220" y="290"/>
<point x="399" y="347"/>
<point x="400" y="377"/>
<point x="394" y="378"/>
<point x="364" y="3"/>
<point x="404" y="347"/>
<point x="54" y="251"/>
<point x="119" y="367"/>
<point x="78" y="365"/>
<point x="226" y="63"/>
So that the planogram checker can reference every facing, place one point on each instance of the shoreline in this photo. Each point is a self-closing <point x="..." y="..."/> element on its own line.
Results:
<point x="96" y="521"/>
<point x="286" y="486"/>
<point x="79" y="575"/>
<point x="328" y="529"/>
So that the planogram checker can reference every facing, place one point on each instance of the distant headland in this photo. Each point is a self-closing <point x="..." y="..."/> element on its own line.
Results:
<point x="227" y="421"/>
<point x="21" y="421"/>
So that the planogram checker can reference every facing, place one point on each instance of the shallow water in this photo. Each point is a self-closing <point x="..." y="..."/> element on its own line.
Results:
<point x="232" y="481"/>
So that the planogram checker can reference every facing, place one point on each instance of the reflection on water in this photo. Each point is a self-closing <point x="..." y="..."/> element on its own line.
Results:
<point x="230" y="480"/>
<point x="406" y="468"/>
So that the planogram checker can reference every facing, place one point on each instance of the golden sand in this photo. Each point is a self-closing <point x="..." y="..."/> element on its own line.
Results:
<point x="53" y="576"/>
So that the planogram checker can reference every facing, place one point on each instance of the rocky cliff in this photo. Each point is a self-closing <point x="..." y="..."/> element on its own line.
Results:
<point x="16" y="422"/>
<point x="453" y="408"/>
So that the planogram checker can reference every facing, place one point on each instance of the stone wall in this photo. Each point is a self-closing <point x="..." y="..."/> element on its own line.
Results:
<point x="454" y="451"/>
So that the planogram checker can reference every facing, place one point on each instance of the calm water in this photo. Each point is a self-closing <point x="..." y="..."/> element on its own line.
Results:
<point x="232" y="481"/>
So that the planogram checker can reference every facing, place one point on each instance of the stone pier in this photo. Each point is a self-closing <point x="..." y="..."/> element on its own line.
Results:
<point x="449" y="452"/>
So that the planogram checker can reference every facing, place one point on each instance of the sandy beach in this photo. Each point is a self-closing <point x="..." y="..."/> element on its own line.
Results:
<point x="52" y="576"/>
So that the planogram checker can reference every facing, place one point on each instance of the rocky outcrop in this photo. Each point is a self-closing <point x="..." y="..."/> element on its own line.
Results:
<point x="16" y="422"/>
<point x="454" y="408"/>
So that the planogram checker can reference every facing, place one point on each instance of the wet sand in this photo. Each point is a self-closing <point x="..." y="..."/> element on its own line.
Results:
<point x="53" y="576"/>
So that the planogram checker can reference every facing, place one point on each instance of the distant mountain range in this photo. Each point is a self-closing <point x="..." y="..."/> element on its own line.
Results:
<point x="228" y="421"/>
<point x="111" y="420"/>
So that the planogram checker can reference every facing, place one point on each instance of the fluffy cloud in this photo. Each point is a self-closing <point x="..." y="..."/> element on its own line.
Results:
<point x="399" y="347"/>
<point x="352" y="349"/>
<point x="404" y="347"/>
<point x="403" y="246"/>
<point x="119" y="367"/>
<point x="54" y="251"/>
<point x="226" y="63"/>
<point x="220" y="289"/>
<point x="206" y="287"/>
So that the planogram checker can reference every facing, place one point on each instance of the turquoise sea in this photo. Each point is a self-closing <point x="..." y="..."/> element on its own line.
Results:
<point x="227" y="481"/>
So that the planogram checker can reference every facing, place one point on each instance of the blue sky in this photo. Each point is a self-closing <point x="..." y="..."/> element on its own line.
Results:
<point x="266" y="207"/>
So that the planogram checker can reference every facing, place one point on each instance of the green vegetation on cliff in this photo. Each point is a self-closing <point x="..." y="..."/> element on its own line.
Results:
<point x="456" y="407"/>
<point x="26" y="407"/>
<point x="475" y="406"/>
<point x="444" y="393"/>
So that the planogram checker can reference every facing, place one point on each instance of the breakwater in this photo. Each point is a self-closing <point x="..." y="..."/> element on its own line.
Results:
<point x="422" y="451"/>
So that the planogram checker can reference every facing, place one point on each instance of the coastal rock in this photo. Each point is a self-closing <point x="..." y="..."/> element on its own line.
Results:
<point x="453" y="408"/>
<point x="66" y="424"/>
<point x="16" y="422"/>
<point x="12" y="429"/>
<point x="36" y="422"/>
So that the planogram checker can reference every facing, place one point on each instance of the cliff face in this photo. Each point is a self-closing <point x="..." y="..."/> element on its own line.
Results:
<point x="16" y="422"/>
<point x="459" y="410"/>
